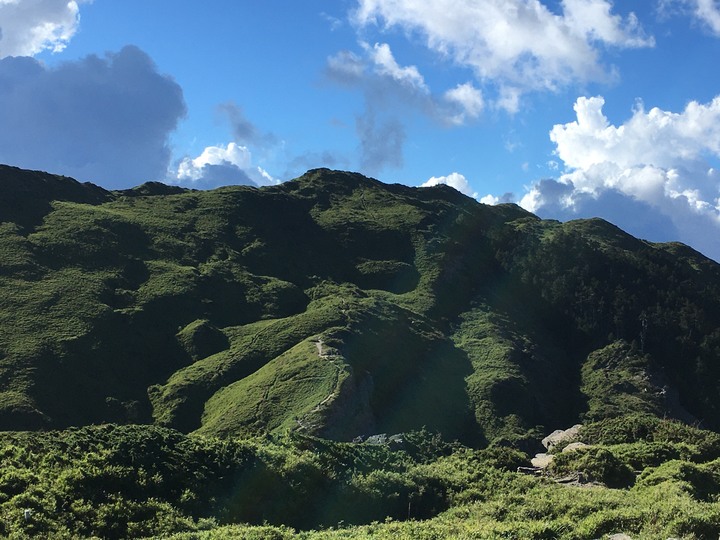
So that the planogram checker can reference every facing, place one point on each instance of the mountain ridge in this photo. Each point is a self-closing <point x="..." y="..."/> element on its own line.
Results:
<point x="202" y="311"/>
<point x="338" y="357"/>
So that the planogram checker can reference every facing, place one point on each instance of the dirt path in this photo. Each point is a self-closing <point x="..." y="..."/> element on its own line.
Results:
<point x="322" y="353"/>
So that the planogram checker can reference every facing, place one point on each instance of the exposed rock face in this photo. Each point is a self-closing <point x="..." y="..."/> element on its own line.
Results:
<point x="559" y="436"/>
<point x="542" y="460"/>
<point x="572" y="447"/>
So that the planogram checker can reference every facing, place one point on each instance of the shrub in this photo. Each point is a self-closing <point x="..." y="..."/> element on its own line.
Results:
<point x="702" y="482"/>
<point x="595" y="464"/>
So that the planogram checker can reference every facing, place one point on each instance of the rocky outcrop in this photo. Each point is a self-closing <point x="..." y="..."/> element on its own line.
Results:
<point x="560" y="436"/>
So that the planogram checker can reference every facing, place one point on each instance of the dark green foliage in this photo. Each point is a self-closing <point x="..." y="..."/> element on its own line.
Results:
<point x="134" y="481"/>
<point x="27" y="195"/>
<point x="204" y="311"/>
<point x="695" y="444"/>
<point x="658" y="298"/>
<point x="702" y="482"/>
<point x="619" y="381"/>
<point x="594" y="464"/>
<point x="120" y="481"/>
<point x="336" y="306"/>
<point x="201" y="339"/>
<point x="640" y="455"/>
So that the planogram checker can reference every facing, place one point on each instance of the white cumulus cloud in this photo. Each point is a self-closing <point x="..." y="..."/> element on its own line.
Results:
<point x="454" y="180"/>
<point x="652" y="175"/>
<point x="232" y="154"/>
<point x="517" y="44"/>
<point x="221" y="165"/>
<point x="490" y="199"/>
<point x="656" y="137"/>
<point x="28" y="27"/>
<point x="469" y="99"/>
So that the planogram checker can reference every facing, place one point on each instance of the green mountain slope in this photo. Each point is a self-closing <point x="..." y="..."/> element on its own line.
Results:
<point x="339" y="306"/>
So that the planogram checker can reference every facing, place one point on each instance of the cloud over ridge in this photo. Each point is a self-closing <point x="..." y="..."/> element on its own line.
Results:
<point x="657" y="166"/>
<point x="454" y="180"/>
<point x="219" y="166"/>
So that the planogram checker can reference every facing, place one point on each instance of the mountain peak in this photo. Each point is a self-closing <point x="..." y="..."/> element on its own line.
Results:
<point x="336" y="305"/>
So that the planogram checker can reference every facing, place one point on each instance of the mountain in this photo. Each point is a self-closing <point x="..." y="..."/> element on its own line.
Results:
<point x="336" y="357"/>
<point x="339" y="306"/>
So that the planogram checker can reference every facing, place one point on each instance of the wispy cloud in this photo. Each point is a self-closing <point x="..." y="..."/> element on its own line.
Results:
<point x="707" y="12"/>
<point x="381" y="142"/>
<point x="385" y="65"/>
<point x="468" y="99"/>
<point x="393" y="91"/>
<point x="514" y="45"/>
<point x="243" y="130"/>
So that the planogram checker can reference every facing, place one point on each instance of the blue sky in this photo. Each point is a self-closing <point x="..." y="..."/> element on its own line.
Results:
<point x="571" y="108"/>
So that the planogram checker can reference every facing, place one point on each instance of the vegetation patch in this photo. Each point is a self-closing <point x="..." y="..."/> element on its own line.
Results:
<point x="224" y="348"/>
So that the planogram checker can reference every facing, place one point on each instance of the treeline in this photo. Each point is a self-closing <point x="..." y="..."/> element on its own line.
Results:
<point x="603" y="285"/>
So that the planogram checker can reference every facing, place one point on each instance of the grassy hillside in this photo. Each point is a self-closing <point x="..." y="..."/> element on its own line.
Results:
<point x="339" y="306"/>
<point x="186" y="364"/>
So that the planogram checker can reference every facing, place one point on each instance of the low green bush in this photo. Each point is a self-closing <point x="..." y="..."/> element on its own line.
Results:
<point x="593" y="464"/>
<point x="702" y="482"/>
